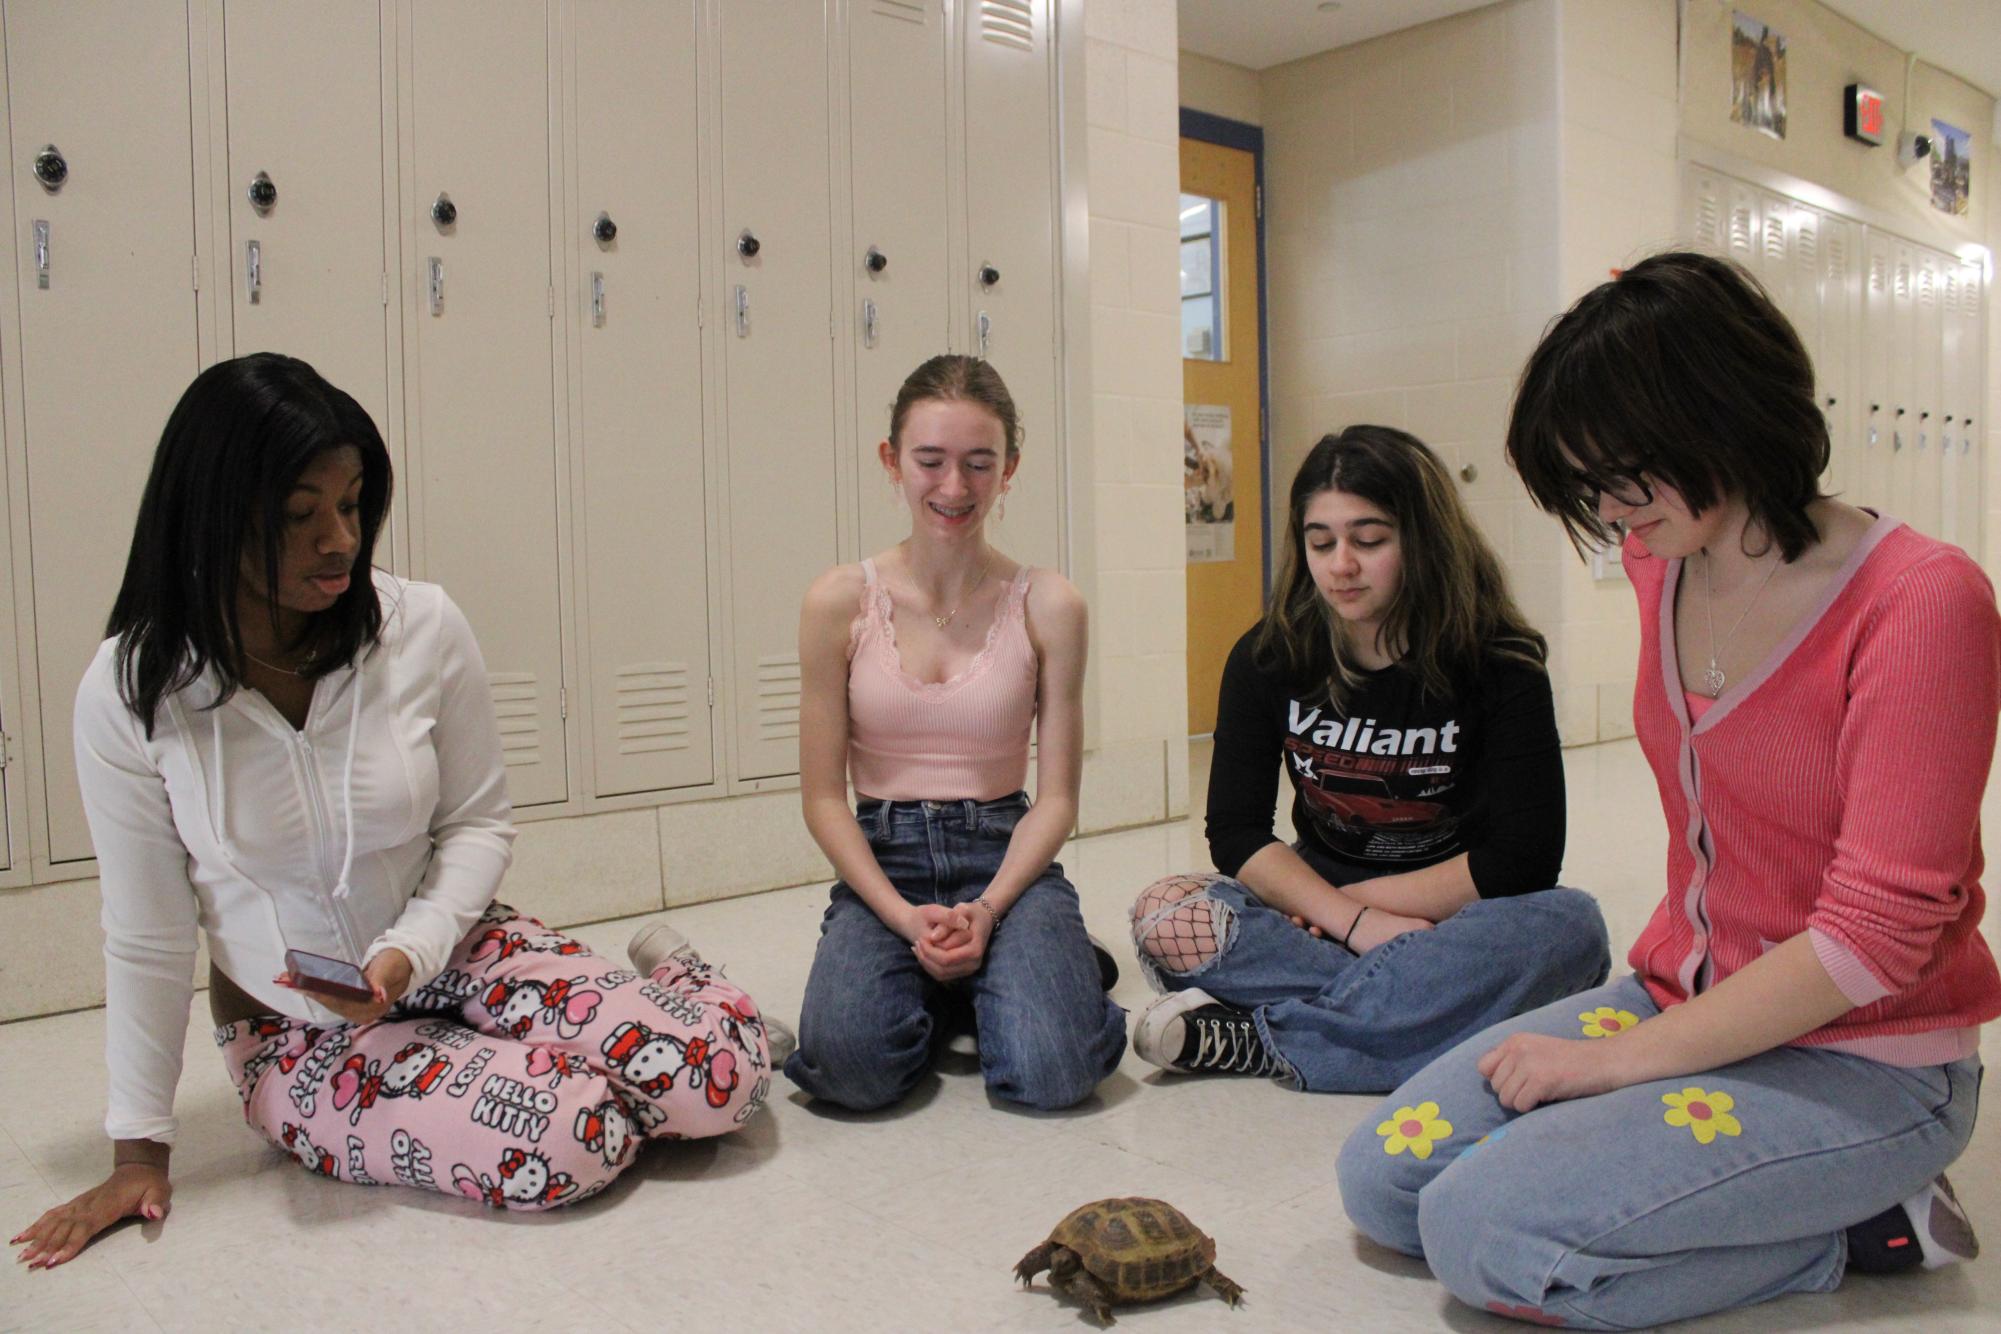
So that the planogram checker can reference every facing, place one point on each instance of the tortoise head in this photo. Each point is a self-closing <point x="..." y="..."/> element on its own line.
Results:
<point x="1064" y="1265"/>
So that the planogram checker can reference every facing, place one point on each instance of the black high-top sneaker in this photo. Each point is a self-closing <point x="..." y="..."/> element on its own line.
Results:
<point x="1929" y="1229"/>
<point x="1194" y="1033"/>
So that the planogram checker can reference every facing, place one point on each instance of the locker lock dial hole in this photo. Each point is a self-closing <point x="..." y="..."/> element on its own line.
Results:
<point x="604" y="229"/>
<point x="989" y="275"/>
<point x="747" y="244"/>
<point x="262" y="193"/>
<point x="875" y="261"/>
<point x="444" y="212"/>
<point x="51" y="168"/>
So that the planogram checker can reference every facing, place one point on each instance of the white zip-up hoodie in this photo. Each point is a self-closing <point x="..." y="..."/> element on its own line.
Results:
<point x="383" y="822"/>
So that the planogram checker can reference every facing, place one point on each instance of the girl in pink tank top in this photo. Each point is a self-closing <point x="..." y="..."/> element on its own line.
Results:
<point x="924" y="671"/>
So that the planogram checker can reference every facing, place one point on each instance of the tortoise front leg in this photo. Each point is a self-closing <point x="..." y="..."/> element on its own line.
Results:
<point x="1034" y="1262"/>
<point x="1086" y="1288"/>
<point x="1225" y="1288"/>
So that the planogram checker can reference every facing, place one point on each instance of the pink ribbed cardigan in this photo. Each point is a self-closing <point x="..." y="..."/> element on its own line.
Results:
<point x="912" y="740"/>
<point x="1835" y="790"/>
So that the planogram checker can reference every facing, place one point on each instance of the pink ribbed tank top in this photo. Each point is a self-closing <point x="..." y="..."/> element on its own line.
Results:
<point x="912" y="740"/>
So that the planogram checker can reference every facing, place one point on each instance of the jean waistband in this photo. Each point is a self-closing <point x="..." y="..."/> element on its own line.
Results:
<point x="966" y="808"/>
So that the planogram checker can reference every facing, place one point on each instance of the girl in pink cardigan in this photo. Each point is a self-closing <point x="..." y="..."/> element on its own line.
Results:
<point x="1770" y="1098"/>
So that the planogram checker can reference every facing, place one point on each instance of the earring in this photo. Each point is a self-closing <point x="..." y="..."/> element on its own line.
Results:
<point x="1000" y="510"/>
<point x="896" y="487"/>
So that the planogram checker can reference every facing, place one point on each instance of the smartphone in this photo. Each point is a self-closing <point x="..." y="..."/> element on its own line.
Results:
<point x="330" y="977"/>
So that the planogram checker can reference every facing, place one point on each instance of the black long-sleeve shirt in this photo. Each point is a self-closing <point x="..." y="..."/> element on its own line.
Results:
<point x="1398" y="781"/>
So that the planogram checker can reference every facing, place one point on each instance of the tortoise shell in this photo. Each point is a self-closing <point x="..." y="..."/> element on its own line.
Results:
<point x="1139" y="1248"/>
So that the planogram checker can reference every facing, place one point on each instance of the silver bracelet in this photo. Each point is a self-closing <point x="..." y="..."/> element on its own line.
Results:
<point x="991" y="912"/>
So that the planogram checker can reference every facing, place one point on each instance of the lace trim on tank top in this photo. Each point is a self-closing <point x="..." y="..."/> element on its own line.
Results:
<point x="878" y="612"/>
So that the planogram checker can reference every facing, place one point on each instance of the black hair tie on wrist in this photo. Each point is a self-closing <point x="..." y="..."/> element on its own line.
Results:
<point x="1352" y="925"/>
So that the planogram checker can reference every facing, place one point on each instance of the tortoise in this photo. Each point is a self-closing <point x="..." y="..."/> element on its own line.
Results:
<point x="1126" y="1250"/>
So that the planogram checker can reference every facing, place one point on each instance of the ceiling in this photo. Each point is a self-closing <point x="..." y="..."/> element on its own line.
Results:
<point x="1961" y="36"/>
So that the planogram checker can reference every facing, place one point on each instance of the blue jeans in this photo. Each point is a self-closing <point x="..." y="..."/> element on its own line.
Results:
<point x="1364" y="1024"/>
<point x="870" y="1024"/>
<point x="1654" y="1202"/>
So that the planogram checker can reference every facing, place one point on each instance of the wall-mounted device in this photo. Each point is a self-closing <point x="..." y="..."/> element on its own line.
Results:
<point x="1862" y="114"/>
<point x="1913" y="148"/>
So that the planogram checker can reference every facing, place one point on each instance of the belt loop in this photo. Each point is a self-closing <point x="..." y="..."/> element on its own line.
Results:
<point x="970" y="811"/>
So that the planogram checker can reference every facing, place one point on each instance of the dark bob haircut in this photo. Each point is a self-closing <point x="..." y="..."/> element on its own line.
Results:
<point x="237" y="441"/>
<point x="1681" y="371"/>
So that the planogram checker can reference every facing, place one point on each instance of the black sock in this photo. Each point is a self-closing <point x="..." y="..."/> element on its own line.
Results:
<point x="1885" y="1244"/>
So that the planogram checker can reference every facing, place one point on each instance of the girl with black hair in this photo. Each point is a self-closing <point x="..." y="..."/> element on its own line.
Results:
<point x="283" y="748"/>
<point x="1405" y="696"/>
<point x="1768" y="1099"/>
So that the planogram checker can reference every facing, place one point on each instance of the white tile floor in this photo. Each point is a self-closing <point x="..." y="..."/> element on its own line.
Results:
<point x="808" y="1221"/>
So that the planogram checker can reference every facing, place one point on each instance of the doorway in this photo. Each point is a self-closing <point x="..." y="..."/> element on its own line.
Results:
<point x="1224" y="454"/>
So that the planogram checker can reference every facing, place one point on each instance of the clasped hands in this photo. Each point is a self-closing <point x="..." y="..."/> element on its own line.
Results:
<point x="950" y="943"/>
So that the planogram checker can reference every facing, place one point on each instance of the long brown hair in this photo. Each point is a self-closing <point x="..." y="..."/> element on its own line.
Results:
<point x="1453" y="605"/>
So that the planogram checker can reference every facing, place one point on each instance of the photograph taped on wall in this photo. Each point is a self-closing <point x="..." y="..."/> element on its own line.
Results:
<point x="1208" y="482"/>
<point x="1757" y="76"/>
<point x="1952" y="167"/>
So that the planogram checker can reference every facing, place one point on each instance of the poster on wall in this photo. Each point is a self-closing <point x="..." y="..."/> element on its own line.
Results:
<point x="1208" y="485"/>
<point x="1757" y="76"/>
<point x="1952" y="167"/>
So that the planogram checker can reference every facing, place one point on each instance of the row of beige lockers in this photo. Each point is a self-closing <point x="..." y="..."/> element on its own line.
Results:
<point x="1895" y="331"/>
<point x="628" y="284"/>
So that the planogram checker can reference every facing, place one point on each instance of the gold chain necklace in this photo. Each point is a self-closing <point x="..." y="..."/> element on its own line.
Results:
<point x="287" y="671"/>
<point x="942" y="621"/>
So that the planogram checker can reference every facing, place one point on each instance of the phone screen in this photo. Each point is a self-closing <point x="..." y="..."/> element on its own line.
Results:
<point x="337" y="977"/>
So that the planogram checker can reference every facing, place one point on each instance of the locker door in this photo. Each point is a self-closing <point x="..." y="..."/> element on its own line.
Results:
<point x="1870" y="484"/>
<point x="1902" y="407"/>
<point x="109" y="343"/>
<point x="1011" y="235"/>
<point x="1927" y="336"/>
<point x="1959" y="461"/>
<point x="776" y="253"/>
<point x="1741" y="239"/>
<point x="482" y="433"/>
<point x="1777" y="268"/>
<point x="896" y="60"/>
<point x="305" y="115"/>
<point x="643" y="525"/>
<point x="1808" y="317"/>
<point x="1840" y="320"/>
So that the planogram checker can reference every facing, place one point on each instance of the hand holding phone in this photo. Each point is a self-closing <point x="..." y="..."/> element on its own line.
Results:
<point x="328" y="977"/>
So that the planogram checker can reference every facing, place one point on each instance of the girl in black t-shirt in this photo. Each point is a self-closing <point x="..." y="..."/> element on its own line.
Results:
<point x="1405" y="696"/>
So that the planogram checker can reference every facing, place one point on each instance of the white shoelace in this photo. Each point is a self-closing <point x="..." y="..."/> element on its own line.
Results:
<point x="1230" y="1044"/>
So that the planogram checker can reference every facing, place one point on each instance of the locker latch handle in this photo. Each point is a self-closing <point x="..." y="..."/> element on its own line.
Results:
<point x="253" y="272"/>
<point x="986" y="328"/>
<point x="597" y="300"/>
<point x="437" y="286"/>
<point x="868" y="323"/>
<point x="742" y="302"/>
<point x="42" y="253"/>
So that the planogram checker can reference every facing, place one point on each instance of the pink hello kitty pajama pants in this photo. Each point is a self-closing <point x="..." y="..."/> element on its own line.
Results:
<point x="523" y="1076"/>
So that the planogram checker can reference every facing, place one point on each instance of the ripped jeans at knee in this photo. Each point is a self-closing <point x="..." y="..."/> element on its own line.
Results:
<point x="1180" y="928"/>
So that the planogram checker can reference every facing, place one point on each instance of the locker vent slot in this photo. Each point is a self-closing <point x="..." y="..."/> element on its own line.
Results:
<point x="1775" y="237"/>
<point x="1927" y="285"/>
<point x="1879" y="277"/>
<point x="1807" y="245"/>
<point x="1903" y="277"/>
<point x="1709" y="217"/>
<point x="652" y="707"/>
<point x="899" y="9"/>
<point x="517" y="700"/>
<point x="1836" y="253"/>
<point x="778" y="697"/>
<point x="1740" y="227"/>
<point x="1008" y="23"/>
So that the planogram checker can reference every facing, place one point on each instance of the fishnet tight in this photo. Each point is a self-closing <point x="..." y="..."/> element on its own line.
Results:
<point x="1176" y="924"/>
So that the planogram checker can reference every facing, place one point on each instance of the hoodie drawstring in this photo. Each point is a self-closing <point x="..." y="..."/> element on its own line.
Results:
<point x="341" y="886"/>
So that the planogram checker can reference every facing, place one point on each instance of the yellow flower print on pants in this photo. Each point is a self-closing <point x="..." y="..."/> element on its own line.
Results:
<point x="1414" y="1128"/>
<point x="1604" y="1021"/>
<point x="1707" y="1115"/>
